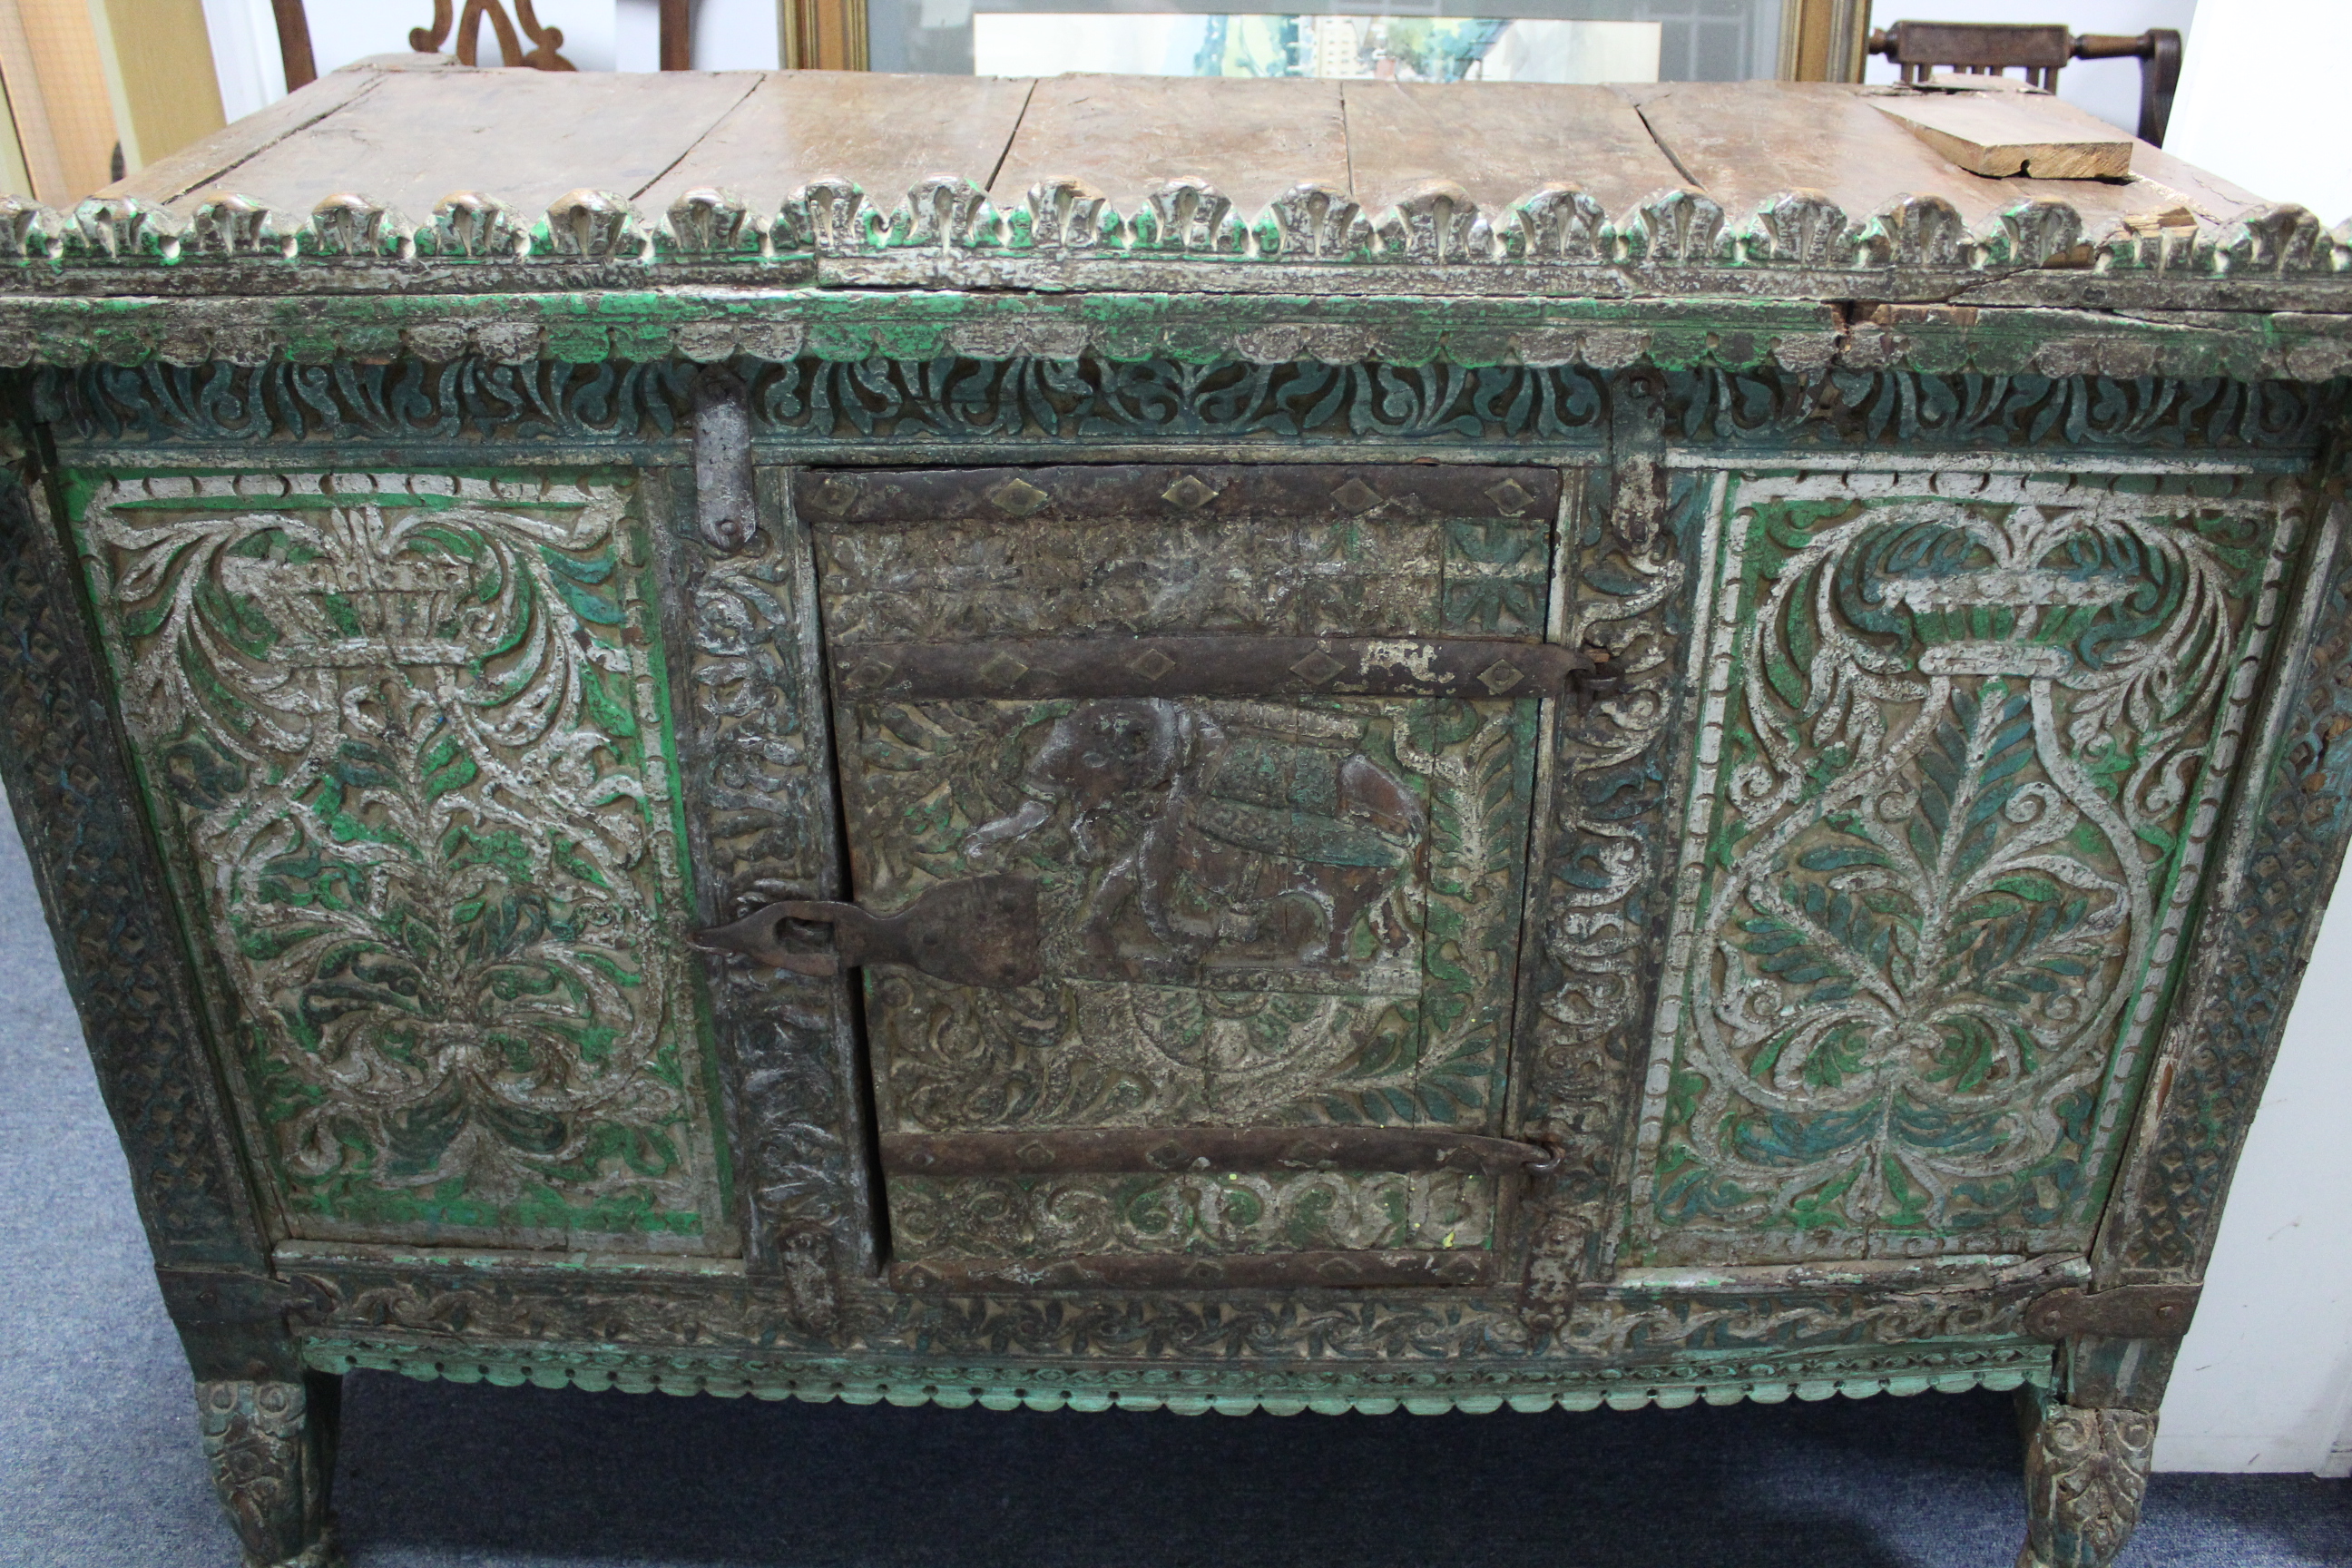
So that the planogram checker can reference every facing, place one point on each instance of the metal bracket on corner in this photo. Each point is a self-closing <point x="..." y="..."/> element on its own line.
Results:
<point x="2123" y="1312"/>
<point x="726" y="510"/>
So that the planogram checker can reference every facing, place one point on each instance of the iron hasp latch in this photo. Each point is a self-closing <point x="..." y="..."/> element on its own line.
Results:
<point x="982" y="931"/>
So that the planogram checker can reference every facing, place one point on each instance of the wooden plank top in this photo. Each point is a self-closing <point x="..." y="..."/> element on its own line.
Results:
<point x="407" y="132"/>
<point x="1126" y="135"/>
<point x="1746" y="142"/>
<point x="884" y="132"/>
<point x="1499" y="143"/>
<point x="525" y="137"/>
<point x="206" y="162"/>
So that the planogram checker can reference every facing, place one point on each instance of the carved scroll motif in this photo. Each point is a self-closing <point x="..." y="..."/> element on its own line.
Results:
<point x="1028" y="1216"/>
<point x="758" y="787"/>
<point x="484" y="380"/>
<point x="1601" y="906"/>
<point x="405" y="738"/>
<point x="1952" y="805"/>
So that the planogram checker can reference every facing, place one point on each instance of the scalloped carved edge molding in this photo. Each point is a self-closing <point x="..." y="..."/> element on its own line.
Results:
<point x="1185" y="218"/>
<point x="1193" y="1391"/>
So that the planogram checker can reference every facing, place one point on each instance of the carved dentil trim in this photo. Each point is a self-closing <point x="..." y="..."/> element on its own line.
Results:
<point x="2086" y="1476"/>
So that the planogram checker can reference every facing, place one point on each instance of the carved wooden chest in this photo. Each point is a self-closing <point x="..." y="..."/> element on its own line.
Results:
<point x="1172" y="743"/>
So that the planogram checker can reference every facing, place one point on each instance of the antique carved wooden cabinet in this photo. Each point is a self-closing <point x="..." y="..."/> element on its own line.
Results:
<point x="1210" y="745"/>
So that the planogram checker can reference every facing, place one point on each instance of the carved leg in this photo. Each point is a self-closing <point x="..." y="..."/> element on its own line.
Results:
<point x="2085" y="1473"/>
<point x="272" y="1450"/>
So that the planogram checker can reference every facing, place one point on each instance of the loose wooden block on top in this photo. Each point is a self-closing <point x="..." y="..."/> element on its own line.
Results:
<point x="2012" y="134"/>
<point x="1477" y="744"/>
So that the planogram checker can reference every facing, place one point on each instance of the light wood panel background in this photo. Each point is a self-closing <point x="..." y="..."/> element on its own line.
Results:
<point x="82" y="77"/>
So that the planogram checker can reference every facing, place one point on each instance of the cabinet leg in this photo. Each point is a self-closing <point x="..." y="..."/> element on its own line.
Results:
<point x="2085" y="1475"/>
<point x="272" y="1449"/>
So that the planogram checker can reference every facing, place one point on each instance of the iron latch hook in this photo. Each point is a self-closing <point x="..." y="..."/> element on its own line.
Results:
<point x="980" y="931"/>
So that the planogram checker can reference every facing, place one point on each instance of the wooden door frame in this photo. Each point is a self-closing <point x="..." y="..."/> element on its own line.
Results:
<point x="822" y="35"/>
<point x="1824" y="40"/>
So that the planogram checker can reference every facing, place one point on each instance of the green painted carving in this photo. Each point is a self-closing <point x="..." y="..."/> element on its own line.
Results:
<point x="2251" y="956"/>
<point x="1234" y="1388"/>
<point x="1963" y="756"/>
<point x="522" y="321"/>
<point x="811" y="405"/>
<point x="1552" y="227"/>
<point x="406" y="739"/>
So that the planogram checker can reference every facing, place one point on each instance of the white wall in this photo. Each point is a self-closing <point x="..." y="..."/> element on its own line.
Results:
<point x="2266" y="1377"/>
<point x="598" y="35"/>
<point x="2108" y="88"/>
<point x="2261" y="94"/>
<point x="2264" y="1381"/>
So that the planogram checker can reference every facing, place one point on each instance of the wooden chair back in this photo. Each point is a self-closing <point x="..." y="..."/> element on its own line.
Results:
<point x="2042" y="50"/>
<point x="511" y="32"/>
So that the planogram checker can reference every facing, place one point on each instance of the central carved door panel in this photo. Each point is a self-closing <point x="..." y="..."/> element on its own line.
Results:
<point x="1215" y="786"/>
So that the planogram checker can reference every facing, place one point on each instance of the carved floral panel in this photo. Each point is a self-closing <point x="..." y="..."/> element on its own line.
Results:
<point x="1964" y="742"/>
<point x="408" y="739"/>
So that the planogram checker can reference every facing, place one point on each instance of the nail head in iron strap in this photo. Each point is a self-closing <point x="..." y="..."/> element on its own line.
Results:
<point x="1178" y="1271"/>
<point x="1126" y="1150"/>
<point x="1474" y="668"/>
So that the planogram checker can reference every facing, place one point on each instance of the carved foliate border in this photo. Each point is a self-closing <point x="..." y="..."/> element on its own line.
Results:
<point x="1037" y="404"/>
<point x="1062" y="225"/>
<point x="123" y="955"/>
<point x="1137" y="321"/>
<point x="1228" y="1336"/>
<point x="2260" y="923"/>
<point x="1599" y="910"/>
<point x="760" y="789"/>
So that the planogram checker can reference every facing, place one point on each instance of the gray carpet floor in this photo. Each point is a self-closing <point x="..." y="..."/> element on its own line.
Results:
<point x="100" y="1465"/>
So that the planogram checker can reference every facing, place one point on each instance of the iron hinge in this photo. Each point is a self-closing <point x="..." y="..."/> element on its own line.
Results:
<point x="2123" y="1312"/>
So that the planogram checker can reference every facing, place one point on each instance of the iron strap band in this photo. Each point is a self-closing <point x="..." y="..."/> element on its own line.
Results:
<point x="1122" y="1150"/>
<point x="1214" y="666"/>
